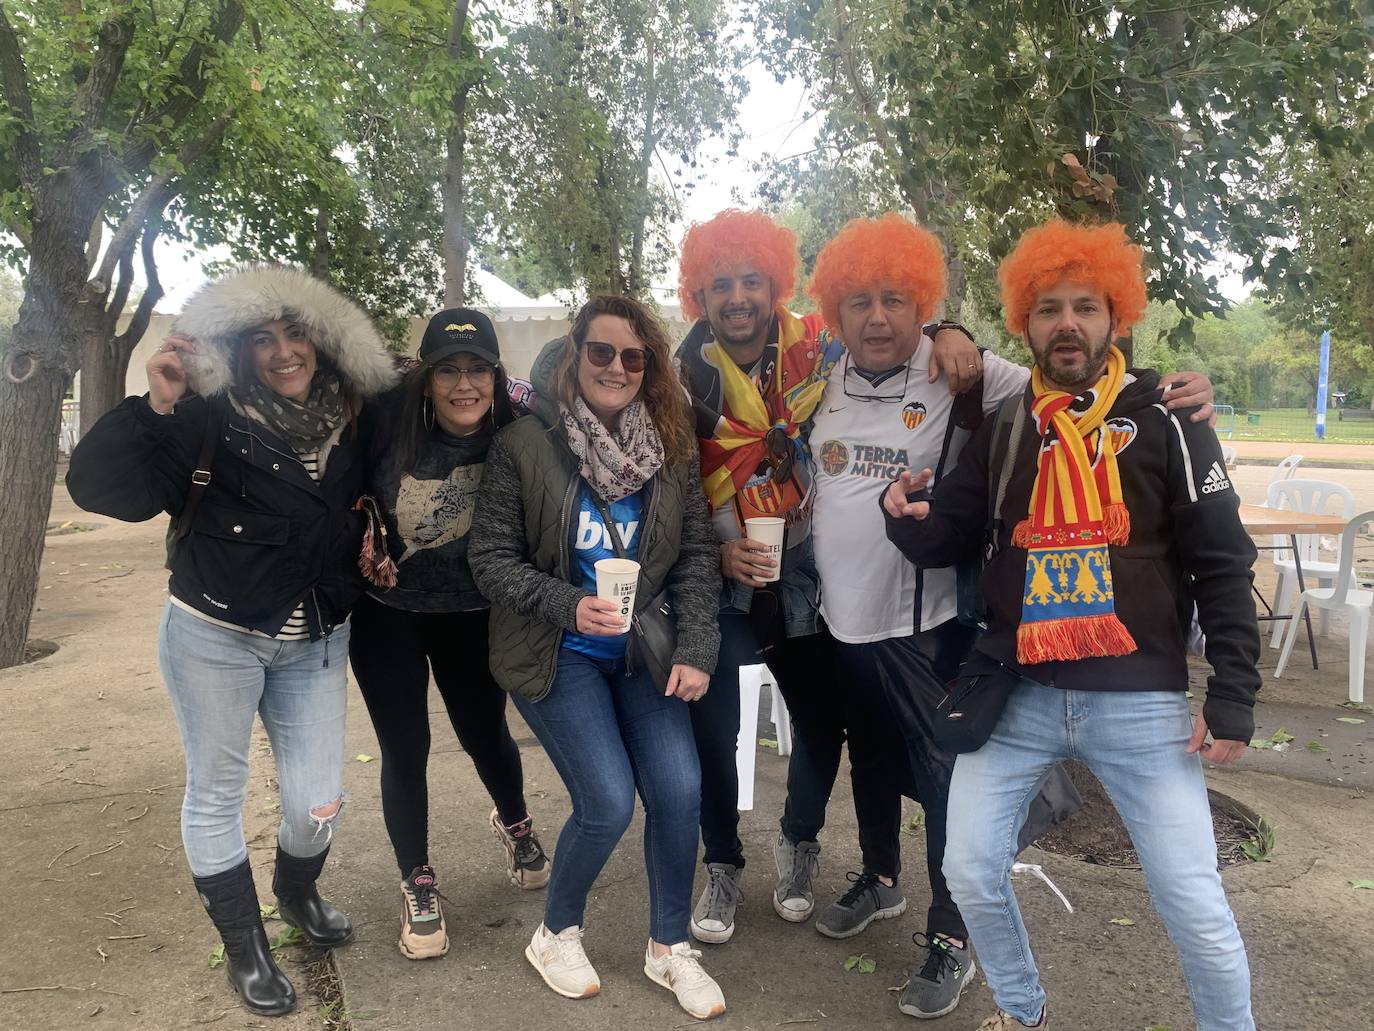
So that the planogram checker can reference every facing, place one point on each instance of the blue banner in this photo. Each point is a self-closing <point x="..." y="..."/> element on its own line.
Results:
<point x="1323" y="371"/>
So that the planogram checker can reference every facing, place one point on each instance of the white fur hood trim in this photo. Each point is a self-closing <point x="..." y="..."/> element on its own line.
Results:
<point x="220" y="312"/>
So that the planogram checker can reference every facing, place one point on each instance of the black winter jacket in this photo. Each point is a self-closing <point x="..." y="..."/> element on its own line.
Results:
<point x="1186" y="545"/>
<point x="265" y="538"/>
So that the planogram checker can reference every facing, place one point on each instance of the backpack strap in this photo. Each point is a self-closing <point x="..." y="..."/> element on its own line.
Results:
<point x="1006" y="440"/>
<point x="966" y="413"/>
<point x="200" y="476"/>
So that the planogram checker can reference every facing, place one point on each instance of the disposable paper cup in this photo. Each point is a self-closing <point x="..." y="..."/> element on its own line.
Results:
<point x="768" y="530"/>
<point x="616" y="580"/>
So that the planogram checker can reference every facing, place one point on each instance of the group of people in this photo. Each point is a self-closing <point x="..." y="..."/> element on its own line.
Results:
<point x="946" y="510"/>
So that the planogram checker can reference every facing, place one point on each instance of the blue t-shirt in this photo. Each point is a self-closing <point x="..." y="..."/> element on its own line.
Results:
<point x="591" y="543"/>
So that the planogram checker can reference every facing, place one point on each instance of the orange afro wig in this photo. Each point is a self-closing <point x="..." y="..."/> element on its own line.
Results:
<point x="1098" y="256"/>
<point x="729" y="240"/>
<point x="871" y="252"/>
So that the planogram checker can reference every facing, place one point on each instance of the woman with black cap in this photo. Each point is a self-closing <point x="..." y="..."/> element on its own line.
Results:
<point x="249" y="437"/>
<point x="425" y="613"/>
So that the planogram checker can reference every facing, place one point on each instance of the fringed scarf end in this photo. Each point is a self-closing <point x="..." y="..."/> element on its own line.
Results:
<point x="1079" y="637"/>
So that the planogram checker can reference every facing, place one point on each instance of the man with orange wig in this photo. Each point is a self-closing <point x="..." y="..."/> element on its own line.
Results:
<point x="756" y="373"/>
<point x="1110" y="518"/>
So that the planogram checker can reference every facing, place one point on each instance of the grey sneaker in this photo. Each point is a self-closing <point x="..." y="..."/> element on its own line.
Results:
<point x="868" y="899"/>
<point x="798" y="864"/>
<point x="934" y="989"/>
<point x="713" y="920"/>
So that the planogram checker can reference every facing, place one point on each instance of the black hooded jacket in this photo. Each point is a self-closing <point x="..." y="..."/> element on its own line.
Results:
<point x="1186" y="545"/>
<point x="266" y="537"/>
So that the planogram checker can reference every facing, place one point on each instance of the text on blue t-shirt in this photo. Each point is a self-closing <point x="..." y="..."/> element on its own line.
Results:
<point x="592" y="543"/>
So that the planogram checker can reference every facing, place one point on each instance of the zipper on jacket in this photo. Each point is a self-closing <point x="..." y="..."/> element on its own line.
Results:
<point x="564" y="531"/>
<point x="319" y="622"/>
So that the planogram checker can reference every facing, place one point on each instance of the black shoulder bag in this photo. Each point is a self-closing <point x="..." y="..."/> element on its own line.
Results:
<point x="975" y="700"/>
<point x="653" y="627"/>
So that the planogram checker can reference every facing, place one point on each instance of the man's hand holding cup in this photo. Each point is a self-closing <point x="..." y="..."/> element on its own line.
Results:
<point x="747" y="561"/>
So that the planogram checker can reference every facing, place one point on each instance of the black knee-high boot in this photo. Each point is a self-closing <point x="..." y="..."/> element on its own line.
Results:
<point x="232" y="902"/>
<point x="299" y="902"/>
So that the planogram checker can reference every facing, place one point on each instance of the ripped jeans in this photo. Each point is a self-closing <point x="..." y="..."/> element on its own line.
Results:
<point x="217" y="679"/>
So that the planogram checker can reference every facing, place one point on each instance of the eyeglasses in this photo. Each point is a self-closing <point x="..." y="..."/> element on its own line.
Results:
<point x="450" y="375"/>
<point x="880" y="398"/>
<point x="632" y="359"/>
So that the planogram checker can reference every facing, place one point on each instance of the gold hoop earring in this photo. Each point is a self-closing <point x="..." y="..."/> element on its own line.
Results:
<point x="427" y="413"/>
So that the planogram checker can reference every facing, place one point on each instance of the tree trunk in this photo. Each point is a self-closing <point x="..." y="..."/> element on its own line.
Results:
<point x="34" y="375"/>
<point x="455" y="242"/>
<point x="104" y="370"/>
<point x="638" y="283"/>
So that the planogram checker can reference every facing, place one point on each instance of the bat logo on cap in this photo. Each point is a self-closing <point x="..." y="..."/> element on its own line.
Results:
<point x="454" y="327"/>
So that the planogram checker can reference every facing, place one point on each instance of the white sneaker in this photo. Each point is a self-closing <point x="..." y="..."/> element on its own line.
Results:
<point x="680" y="972"/>
<point x="562" y="963"/>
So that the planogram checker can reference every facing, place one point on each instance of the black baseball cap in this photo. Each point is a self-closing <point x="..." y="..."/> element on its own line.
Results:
<point x="455" y="330"/>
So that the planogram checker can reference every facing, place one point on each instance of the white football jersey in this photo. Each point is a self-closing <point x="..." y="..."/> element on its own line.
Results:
<point x="869" y="591"/>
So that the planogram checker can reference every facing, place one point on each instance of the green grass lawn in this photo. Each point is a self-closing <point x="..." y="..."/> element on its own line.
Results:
<point x="1296" y="425"/>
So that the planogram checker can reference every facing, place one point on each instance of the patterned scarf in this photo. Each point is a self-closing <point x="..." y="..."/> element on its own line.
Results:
<point x="304" y="426"/>
<point x="1076" y="511"/>
<point x="742" y="425"/>
<point x="615" y="462"/>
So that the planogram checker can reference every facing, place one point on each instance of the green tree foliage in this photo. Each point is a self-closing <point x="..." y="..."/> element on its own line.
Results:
<point x="111" y="110"/>
<point x="1330" y="204"/>
<point x="987" y="117"/>
<point x="595" y="111"/>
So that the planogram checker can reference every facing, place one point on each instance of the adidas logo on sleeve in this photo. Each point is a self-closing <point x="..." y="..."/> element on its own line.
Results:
<point x="1216" y="480"/>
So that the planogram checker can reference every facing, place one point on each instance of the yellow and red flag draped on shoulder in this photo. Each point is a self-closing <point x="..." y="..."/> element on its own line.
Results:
<point x="746" y="413"/>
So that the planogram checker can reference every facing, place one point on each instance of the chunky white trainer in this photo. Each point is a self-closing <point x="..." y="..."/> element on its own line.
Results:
<point x="680" y="972"/>
<point x="562" y="963"/>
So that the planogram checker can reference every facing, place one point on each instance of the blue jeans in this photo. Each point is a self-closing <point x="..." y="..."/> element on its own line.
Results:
<point x="609" y="733"/>
<point x="218" y="679"/>
<point x="1134" y="742"/>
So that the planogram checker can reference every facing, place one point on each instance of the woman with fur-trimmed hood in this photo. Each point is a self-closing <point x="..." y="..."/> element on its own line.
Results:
<point x="248" y="438"/>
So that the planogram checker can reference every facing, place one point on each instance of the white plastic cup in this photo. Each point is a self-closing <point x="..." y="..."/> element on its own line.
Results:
<point x="768" y="530"/>
<point x="616" y="580"/>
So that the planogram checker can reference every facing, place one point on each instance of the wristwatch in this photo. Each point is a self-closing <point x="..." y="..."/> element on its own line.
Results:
<point x="936" y="327"/>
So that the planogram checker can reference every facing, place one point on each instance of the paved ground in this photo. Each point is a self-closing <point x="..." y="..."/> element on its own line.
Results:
<point x="89" y="845"/>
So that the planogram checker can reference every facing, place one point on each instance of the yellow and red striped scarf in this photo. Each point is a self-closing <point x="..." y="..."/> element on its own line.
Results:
<point x="1076" y="511"/>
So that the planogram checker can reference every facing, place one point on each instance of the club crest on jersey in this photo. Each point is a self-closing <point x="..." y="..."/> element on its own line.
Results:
<point x="1120" y="433"/>
<point x="914" y="414"/>
<point x="834" y="457"/>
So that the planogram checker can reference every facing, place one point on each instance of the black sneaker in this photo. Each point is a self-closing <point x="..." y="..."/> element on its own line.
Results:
<point x="934" y="989"/>
<point x="868" y="899"/>
<point x="526" y="864"/>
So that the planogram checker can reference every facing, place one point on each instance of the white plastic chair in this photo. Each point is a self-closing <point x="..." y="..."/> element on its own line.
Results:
<point x="1228" y="455"/>
<point x="1344" y="595"/>
<point x="1286" y="469"/>
<point x="1308" y="496"/>
<point x="752" y="681"/>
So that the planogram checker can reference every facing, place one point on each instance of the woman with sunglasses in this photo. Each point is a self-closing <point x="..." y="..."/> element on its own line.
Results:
<point x="610" y="450"/>
<point x="425" y="466"/>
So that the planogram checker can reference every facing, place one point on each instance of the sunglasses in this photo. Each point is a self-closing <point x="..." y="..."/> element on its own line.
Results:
<point x="632" y="359"/>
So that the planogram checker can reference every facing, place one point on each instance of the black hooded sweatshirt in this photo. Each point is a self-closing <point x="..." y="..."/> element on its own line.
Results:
<point x="1186" y="545"/>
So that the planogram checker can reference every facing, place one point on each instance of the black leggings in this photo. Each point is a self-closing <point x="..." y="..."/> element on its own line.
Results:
<point x="392" y="652"/>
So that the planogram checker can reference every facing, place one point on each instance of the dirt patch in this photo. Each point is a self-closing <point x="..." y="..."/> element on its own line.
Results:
<point x="322" y="980"/>
<point x="34" y="649"/>
<point x="1095" y="834"/>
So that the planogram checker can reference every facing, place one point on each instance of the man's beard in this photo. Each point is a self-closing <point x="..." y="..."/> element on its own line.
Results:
<point x="1091" y="369"/>
<point x="739" y="336"/>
